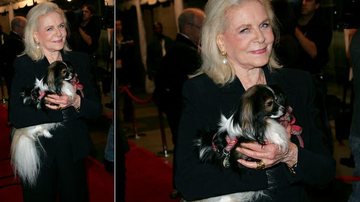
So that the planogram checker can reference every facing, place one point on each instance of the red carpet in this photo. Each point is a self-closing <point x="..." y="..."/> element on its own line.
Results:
<point x="148" y="178"/>
<point x="101" y="183"/>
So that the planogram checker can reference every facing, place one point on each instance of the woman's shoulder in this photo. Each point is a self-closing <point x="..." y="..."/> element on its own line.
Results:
<point x="75" y="55"/>
<point x="23" y="62"/>
<point x="201" y="81"/>
<point x="23" y="58"/>
<point x="78" y="60"/>
<point x="200" y="78"/>
<point x="292" y="75"/>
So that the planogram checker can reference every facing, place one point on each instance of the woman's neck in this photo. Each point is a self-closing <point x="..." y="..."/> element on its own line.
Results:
<point x="52" y="57"/>
<point x="249" y="78"/>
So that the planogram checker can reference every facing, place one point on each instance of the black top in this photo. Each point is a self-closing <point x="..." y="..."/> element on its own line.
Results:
<point x="93" y="29"/>
<point x="182" y="59"/>
<point x="204" y="101"/>
<point x="12" y="47"/>
<point x="75" y="128"/>
<point x="155" y="53"/>
<point x="319" y="31"/>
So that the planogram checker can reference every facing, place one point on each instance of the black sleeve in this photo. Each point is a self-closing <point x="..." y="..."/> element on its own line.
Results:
<point x="316" y="165"/>
<point x="91" y="102"/>
<point x="21" y="115"/>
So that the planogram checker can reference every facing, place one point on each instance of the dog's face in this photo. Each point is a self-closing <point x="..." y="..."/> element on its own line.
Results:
<point x="58" y="72"/>
<point x="263" y="101"/>
<point x="259" y="103"/>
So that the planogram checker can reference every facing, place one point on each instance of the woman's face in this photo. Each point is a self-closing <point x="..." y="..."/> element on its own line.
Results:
<point x="248" y="37"/>
<point x="51" y="33"/>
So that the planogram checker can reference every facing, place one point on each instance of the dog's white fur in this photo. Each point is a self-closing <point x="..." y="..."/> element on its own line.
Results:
<point x="24" y="154"/>
<point x="274" y="133"/>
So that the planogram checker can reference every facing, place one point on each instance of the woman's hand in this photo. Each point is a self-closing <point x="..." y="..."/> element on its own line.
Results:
<point x="59" y="102"/>
<point x="269" y="154"/>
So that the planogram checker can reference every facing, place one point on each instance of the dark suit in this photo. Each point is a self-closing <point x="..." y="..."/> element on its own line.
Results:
<point x="155" y="53"/>
<point x="204" y="102"/>
<point x="62" y="167"/>
<point x="12" y="47"/>
<point x="181" y="60"/>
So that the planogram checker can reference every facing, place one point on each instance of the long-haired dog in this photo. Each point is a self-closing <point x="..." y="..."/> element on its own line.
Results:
<point x="24" y="152"/>
<point x="255" y="120"/>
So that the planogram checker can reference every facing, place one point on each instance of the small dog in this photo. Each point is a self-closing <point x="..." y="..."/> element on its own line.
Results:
<point x="24" y="155"/>
<point x="255" y="120"/>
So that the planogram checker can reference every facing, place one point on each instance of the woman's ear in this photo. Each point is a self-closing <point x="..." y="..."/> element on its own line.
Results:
<point x="220" y="43"/>
<point x="35" y="36"/>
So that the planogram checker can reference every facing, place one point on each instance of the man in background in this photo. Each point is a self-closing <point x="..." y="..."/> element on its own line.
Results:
<point x="157" y="49"/>
<point x="314" y="34"/>
<point x="13" y="46"/>
<point x="181" y="60"/>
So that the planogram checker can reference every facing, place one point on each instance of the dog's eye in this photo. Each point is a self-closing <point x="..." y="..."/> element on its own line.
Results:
<point x="269" y="103"/>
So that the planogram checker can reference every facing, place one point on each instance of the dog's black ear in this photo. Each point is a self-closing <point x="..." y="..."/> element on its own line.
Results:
<point x="279" y="93"/>
<point x="69" y="66"/>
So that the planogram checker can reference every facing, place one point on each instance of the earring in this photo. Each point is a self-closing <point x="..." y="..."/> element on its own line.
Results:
<point x="224" y="60"/>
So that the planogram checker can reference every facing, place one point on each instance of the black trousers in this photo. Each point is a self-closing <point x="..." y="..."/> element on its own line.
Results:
<point x="60" y="177"/>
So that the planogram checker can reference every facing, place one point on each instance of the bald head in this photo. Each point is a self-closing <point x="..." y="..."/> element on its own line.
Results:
<point x="190" y="23"/>
<point x="18" y="25"/>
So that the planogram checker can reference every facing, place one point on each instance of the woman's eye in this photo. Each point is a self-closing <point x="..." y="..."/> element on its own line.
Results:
<point x="265" y="25"/>
<point x="244" y="30"/>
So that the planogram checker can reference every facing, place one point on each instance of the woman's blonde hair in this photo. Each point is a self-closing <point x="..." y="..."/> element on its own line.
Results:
<point x="215" y="23"/>
<point x="31" y="47"/>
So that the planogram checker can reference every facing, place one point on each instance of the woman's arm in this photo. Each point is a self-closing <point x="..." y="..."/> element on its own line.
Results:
<point x="21" y="115"/>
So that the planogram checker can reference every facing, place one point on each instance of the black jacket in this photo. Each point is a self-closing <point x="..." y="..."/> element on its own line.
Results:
<point x="74" y="130"/>
<point x="204" y="101"/>
<point x="182" y="59"/>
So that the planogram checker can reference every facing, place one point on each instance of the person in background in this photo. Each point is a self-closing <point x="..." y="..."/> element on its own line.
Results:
<point x="89" y="30"/>
<point x="3" y="37"/>
<point x="62" y="174"/>
<point x="287" y="48"/>
<point x="237" y="50"/>
<point x="125" y="61"/>
<point x="181" y="61"/>
<point x="13" y="46"/>
<point x="314" y="33"/>
<point x="354" y="139"/>
<point x="157" y="49"/>
<point x="85" y="36"/>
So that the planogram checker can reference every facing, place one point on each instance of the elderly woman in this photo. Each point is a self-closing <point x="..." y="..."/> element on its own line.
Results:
<point x="237" y="51"/>
<point x="62" y="172"/>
